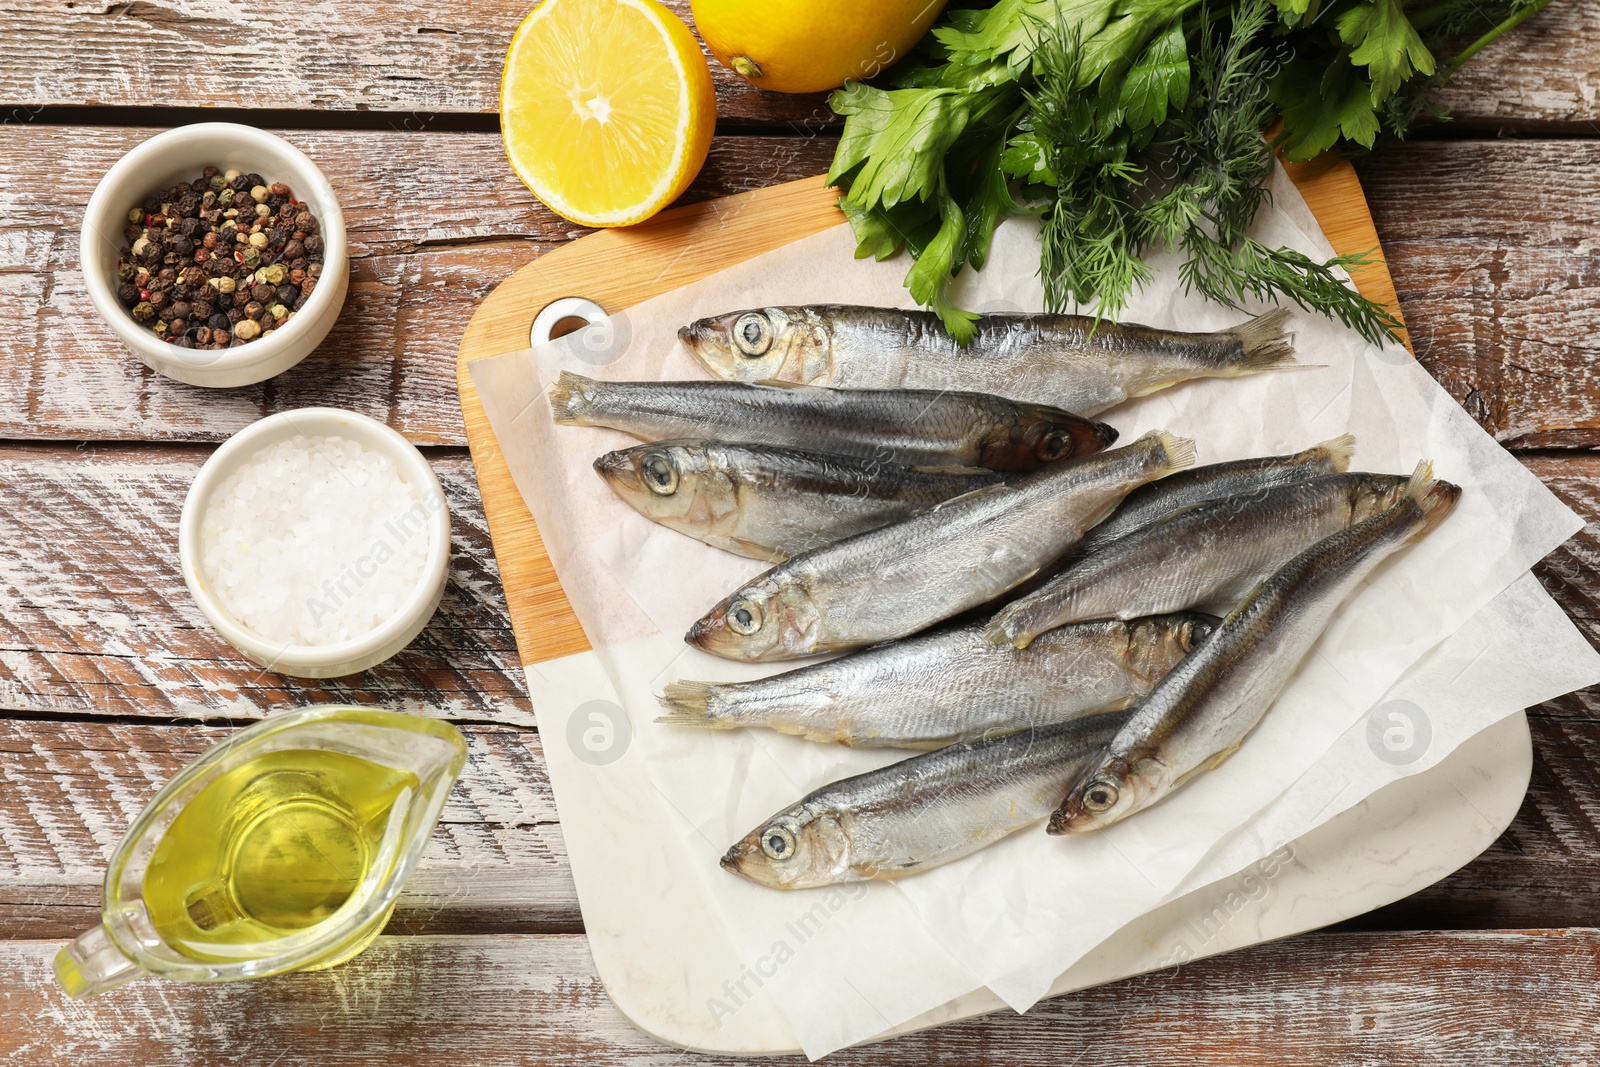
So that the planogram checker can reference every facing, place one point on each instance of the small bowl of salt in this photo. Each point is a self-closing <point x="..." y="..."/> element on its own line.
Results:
<point x="317" y="541"/>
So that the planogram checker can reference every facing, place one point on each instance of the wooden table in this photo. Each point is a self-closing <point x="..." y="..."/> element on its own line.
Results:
<point x="110" y="679"/>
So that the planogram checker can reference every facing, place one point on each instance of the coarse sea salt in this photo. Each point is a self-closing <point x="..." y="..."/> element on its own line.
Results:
<point x="316" y="540"/>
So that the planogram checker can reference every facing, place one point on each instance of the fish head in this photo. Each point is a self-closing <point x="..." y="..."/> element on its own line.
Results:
<point x="674" y="482"/>
<point x="1373" y="494"/>
<point x="772" y="618"/>
<point x="762" y="345"/>
<point x="1044" y="436"/>
<point x="795" y="849"/>
<point x="1112" y="790"/>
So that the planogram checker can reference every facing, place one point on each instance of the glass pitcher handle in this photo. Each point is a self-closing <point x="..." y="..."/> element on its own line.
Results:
<point x="92" y="964"/>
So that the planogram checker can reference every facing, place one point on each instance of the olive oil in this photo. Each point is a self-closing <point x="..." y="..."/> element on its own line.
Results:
<point x="271" y="848"/>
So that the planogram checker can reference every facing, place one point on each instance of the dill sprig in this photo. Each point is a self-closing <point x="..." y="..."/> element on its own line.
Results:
<point x="1137" y="126"/>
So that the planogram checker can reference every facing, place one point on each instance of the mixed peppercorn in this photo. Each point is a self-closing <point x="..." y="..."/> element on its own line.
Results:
<point x="219" y="261"/>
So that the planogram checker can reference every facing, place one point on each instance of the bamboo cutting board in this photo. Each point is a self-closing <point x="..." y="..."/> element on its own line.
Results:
<point x="619" y="268"/>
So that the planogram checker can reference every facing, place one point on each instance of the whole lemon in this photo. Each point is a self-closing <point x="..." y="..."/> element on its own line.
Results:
<point x="806" y="46"/>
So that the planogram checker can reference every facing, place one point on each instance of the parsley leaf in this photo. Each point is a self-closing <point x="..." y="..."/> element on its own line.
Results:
<point x="1319" y="108"/>
<point x="1160" y="75"/>
<point x="1386" y="44"/>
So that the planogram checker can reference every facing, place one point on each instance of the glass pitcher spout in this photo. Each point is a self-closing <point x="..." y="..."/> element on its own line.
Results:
<point x="92" y="964"/>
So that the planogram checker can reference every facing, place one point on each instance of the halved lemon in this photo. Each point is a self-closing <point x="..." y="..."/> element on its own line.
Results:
<point x="606" y="108"/>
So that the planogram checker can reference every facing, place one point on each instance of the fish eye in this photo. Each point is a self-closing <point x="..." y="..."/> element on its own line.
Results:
<point x="744" y="617"/>
<point x="777" y="841"/>
<point x="1100" y="796"/>
<point x="1053" y="446"/>
<point x="659" y="475"/>
<point x="752" y="334"/>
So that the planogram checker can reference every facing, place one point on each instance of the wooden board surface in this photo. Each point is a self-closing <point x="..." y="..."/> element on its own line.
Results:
<point x="1417" y="1000"/>
<point x="416" y="64"/>
<point x="617" y="269"/>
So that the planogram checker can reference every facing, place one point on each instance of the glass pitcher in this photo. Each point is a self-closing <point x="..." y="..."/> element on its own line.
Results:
<point x="283" y="848"/>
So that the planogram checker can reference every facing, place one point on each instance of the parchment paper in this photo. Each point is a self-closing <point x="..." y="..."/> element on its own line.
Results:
<point x="847" y="963"/>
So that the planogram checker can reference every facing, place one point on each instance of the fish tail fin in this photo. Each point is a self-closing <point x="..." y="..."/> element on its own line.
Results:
<point x="687" y="704"/>
<point x="1264" y="341"/>
<point x="1176" y="452"/>
<point x="1004" y="629"/>
<point x="1337" y="451"/>
<point x="568" y="399"/>
<point x="1436" y="498"/>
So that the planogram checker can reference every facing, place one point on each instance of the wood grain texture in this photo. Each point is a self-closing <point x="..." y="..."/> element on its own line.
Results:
<point x="1496" y="301"/>
<point x="1415" y="999"/>
<point x="412" y="61"/>
<point x="68" y="790"/>
<point x="405" y="58"/>
<point x="1494" y="253"/>
<point x="497" y="864"/>
<point x="1545" y="75"/>
<point x="97" y="618"/>
<point x="435" y="221"/>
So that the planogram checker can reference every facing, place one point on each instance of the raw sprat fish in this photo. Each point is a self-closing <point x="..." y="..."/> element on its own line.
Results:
<point x="907" y="426"/>
<point x="1075" y="362"/>
<point x="923" y="811"/>
<point x="949" y="685"/>
<point x="1202" y="711"/>
<point x="772" y="503"/>
<point x="1215" y="481"/>
<point x="896" y="580"/>
<point x="1206" y="556"/>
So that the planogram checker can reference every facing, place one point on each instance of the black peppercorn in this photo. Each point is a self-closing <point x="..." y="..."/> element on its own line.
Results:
<point x="300" y="302"/>
<point x="219" y="321"/>
<point x="253" y="309"/>
<point x="241" y="184"/>
<point x="128" y="293"/>
<point x="182" y="309"/>
<point x="293" y="250"/>
<point x="181" y="245"/>
<point x="261" y="292"/>
<point x="182" y="341"/>
<point x="308" y="286"/>
<point x="158" y="300"/>
<point x="285" y="294"/>
<point x="313" y="245"/>
<point x="201" y="335"/>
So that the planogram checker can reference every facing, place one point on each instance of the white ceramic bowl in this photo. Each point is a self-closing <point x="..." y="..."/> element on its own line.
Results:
<point x="349" y="657"/>
<point x="179" y="155"/>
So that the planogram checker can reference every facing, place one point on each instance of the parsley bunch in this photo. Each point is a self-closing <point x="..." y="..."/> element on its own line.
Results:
<point x="1133" y="126"/>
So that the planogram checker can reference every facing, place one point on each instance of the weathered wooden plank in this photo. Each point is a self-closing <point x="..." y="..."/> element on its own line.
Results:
<point x="1498" y="271"/>
<point x="1545" y="75"/>
<point x="401" y="58"/>
<point x="97" y="617"/>
<point x="405" y="58"/>
<point x="435" y="222"/>
<point x="98" y="622"/>
<point x="68" y="790"/>
<point x="1417" y="999"/>
<point x="1497" y="280"/>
